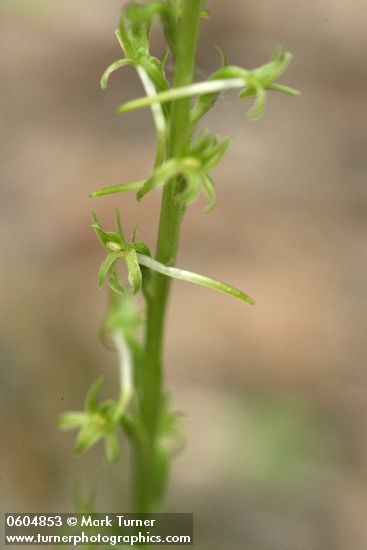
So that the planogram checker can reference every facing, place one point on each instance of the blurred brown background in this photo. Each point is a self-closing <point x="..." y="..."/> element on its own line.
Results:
<point x="275" y="396"/>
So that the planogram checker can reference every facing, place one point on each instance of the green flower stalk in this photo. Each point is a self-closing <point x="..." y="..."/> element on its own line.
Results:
<point x="185" y="158"/>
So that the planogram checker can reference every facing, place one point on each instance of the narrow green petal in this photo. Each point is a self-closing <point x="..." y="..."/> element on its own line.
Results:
<point x="208" y="186"/>
<point x="106" y="265"/>
<point x="217" y="154"/>
<point x="259" y="106"/>
<point x="71" y="420"/>
<point x="223" y="56"/>
<point x="192" y="189"/>
<point x="104" y="236"/>
<point x="112" y="447"/>
<point x="119" y="188"/>
<point x="167" y="53"/>
<point x="277" y="53"/>
<point x="114" y="282"/>
<point x="272" y="70"/>
<point x="248" y="93"/>
<point x="87" y="437"/>
<point x="142" y="248"/>
<point x="195" y="278"/>
<point x="110" y="69"/>
<point x="120" y="34"/>
<point x="91" y="404"/>
<point x="134" y="272"/>
<point x="120" y="232"/>
<point x="283" y="89"/>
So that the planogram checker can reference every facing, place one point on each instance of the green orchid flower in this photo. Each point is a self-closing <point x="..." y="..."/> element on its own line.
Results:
<point x="137" y="256"/>
<point x="254" y="84"/>
<point x="118" y="248"/>
<point x="194" y="167"/>
<point x="98" y="421"/>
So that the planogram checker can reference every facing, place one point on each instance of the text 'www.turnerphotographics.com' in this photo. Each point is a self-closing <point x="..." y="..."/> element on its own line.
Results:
<point x="98" y="529"/>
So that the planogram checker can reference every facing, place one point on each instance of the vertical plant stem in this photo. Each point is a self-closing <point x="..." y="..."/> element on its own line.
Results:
<point x="151" y="381"/>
